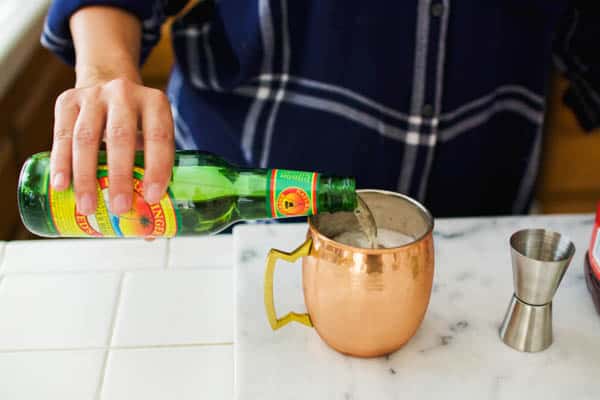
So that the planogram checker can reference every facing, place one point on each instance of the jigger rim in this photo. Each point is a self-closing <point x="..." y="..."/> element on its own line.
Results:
<point x="566" y="256"/>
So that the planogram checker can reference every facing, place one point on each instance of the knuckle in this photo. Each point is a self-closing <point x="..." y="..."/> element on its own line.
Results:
<point x="118" y="134"/>
<point x="162" y="175"/>
<point x="119" y="85"/>
<point x="84" y="181"/>
<point x="158" y="134"/>
<point x="66" y="99"/>
<point x="84" y="136"/>
<point x="62" y="135"/>
<point x="60" y="164"/>
<point x="156" y="95"/>
<point x="91" y="93"/>
<point x="119" y="179"/>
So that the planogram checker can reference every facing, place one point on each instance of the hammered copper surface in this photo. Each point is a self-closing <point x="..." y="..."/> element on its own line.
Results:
<point x="370" y="302"/>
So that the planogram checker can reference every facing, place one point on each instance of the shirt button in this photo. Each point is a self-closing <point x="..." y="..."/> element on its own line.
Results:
<point x="427" y="111"/>
<point x="437" y="9"/>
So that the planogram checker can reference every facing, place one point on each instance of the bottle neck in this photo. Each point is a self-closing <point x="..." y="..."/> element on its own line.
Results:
<point x="283" y="193"/>
<point x="251" y="190"/>
<point x="336" y="194"/>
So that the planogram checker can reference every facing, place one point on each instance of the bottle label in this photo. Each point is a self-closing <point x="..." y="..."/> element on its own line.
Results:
<point x="143" y="220"/>
<point x="291" y="193"/>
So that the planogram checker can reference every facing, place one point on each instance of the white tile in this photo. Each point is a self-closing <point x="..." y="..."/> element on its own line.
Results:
<point x="201" y="252"/>
<point x="175" y="307"/>
<point x="56" y="311"/>
<point x="84" y="255"/>
<point x="64" y="375"/>
<point x="183" y="373"/>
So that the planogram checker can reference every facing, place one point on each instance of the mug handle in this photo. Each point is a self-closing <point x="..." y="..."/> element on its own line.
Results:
<point x="272" y="258"/>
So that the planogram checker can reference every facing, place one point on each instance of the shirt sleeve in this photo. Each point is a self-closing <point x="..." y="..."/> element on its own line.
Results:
<point x="56" y="35"/>
<point x="577" y="55"/>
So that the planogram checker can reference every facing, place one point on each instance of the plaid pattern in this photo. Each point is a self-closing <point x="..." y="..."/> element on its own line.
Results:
<point x="439" y="99"/>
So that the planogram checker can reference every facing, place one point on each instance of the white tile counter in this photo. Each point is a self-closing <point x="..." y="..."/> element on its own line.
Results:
<point x="128" y="319"/>
<point x="116" y="319"/>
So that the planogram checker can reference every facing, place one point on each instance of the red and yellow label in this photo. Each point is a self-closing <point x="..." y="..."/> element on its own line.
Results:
<point x="292" y="193"/>
<point x="143" y="220"/>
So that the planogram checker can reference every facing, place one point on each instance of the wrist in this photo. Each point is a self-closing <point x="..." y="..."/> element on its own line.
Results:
<point x="91" y="74"/>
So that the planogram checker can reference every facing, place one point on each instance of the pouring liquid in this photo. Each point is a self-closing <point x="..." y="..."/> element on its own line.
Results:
<point x="367" y="224"/>
<point x="369" y="236"/>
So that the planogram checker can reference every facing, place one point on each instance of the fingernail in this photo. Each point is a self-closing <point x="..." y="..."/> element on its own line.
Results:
<point x="153" y="193"/>
<point x="85" y="205"/>
<point x="58" y="181"/>
<point x="121" y="204"/>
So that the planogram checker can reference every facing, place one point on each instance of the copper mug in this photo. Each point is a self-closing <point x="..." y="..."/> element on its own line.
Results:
<point x="362" y="302"/>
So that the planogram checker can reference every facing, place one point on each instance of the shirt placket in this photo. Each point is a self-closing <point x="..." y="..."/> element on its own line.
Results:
<point x="432" y="96"/>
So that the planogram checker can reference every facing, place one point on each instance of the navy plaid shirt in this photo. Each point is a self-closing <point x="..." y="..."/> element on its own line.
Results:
<point x="440" y="99"/>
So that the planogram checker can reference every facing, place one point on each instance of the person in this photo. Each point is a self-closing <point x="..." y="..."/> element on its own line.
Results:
<point x="442" y="100"/>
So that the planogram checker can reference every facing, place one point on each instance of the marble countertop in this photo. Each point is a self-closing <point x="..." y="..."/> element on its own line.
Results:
<point x="456" y="354"/>
<point x="128" y="319"/>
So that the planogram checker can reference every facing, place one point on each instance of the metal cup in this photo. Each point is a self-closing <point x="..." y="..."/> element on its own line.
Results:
<point x="539" y="259"/>
<point x="362" y="302"/>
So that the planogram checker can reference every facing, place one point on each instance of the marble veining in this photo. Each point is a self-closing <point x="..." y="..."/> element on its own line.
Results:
<point x="456" y="353"/>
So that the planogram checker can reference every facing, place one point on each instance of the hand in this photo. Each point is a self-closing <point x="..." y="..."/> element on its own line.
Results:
<point x="111" y="108"/>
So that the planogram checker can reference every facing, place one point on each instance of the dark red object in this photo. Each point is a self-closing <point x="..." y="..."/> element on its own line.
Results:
<point x="592" y="263"/>
<point x="593" y="284"/>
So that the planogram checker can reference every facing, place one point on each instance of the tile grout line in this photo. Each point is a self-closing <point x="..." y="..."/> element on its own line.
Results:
<point x="79" y="272"/>
<point x="108" y="348"/>
<point x="204" y="268"/>
<point x="110" y="271"/>
<point x="111" y="331"/>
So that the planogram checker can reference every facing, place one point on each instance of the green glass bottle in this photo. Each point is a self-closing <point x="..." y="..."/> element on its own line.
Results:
<point x="205" y="195"/>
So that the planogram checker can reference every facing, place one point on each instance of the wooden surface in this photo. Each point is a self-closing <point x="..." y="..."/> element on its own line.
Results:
<point x="26" y="119"/>
<point x="8" y="180"/>
<point x="570" y="173"/>
<point x="158" y="66"/>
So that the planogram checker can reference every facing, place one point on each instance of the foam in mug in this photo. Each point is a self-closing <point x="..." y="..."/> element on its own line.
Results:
<point x="386" y="238"/>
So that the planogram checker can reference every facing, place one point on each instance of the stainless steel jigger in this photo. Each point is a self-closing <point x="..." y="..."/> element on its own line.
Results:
<point x="539" y="259"/>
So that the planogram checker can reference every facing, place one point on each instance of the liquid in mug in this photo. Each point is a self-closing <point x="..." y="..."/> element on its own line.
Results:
<point x="369" y="236"/>
<point x="387" y="239"/>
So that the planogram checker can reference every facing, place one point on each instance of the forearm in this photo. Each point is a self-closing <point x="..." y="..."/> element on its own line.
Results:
<point x="107" y="44"/>
<point x="110" y="103"/>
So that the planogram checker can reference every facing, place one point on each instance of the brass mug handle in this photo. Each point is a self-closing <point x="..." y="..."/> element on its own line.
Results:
<point x="272" y="258"/>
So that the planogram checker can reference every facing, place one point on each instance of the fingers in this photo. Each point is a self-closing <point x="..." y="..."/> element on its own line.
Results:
<point x="65" y="116"/>
<point x="114" y="107"/>
<point x="86" y="140"/>
<point x="159" y="146"/>
<point x="121" y="129"/>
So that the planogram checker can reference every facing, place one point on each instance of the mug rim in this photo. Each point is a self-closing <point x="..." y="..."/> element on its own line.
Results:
<point x="415" y="203"/>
